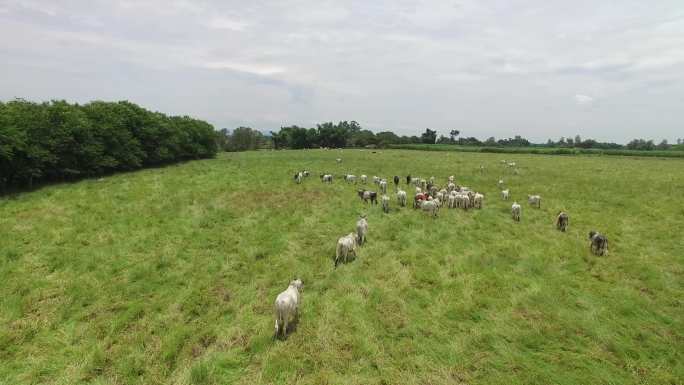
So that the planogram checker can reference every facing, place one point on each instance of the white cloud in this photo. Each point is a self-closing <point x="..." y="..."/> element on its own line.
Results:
<point x="484" y="67"/>
<point x="224" y="23"/>
<point x="256" y="69"/>
<point x="583" y="99"/>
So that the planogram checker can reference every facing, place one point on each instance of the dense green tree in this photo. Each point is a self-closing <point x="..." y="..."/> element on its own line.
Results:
<point x="387" y="137"/>
<point x="58" y="140"/>
<point x="363" y="138"/>
<point x="429" y="136"/>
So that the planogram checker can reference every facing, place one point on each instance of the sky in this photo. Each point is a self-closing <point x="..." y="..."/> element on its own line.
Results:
<point x="609" y="70"/>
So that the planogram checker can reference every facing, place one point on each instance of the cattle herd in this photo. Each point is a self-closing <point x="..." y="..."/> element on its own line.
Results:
<point x="429" y="198"/>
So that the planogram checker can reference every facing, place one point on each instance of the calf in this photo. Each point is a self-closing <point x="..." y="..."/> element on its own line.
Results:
<point x="505" y="194"/>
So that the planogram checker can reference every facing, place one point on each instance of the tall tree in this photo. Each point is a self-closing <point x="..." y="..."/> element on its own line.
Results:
<point x="429" y="136"/>
<point x="453" y="134"/>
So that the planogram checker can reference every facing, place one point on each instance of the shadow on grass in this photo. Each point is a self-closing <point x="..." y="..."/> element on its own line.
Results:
<point x="13" y="192"/>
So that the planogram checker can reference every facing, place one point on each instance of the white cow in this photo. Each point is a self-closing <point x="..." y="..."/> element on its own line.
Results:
<point x="452" y="200"/>
<point x="463" y="200"/>
<point x="515" y="211"/>
<point x="364" y="179"/>
<point x="385" y="200"/>
<point x="401" y="198"/>
<point x="383" y="186"/>
<point x="534" y="200"/>
<point x="431" y="207"/>
<point x="477" y="200"/>
<point x="287" y="307"/>
<point x="361" y="230"/>
<point x="505" y="194"/>
<point x="346" y="246"/>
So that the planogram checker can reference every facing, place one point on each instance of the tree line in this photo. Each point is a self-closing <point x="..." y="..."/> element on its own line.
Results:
<point x="351" y="134"/>
<point x="58" y="140"/>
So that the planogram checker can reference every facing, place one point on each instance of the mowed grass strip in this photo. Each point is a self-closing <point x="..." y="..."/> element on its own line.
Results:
<point x="169" y="275"/>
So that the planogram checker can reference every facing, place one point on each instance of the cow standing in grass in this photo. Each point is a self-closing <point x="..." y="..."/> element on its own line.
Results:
<point x="599" y="243"/>
<point x="287" y="307"/>
<point x="385" y="203"/>
<point x="361" y="230"/>
<point x="562" y="221"/>
<point x="534" y="200"/>
<point x="401" y="198"/>
<point x="367" y="195"/>
<point x="431" y="207"/>
<point x="346" y="247"/>
<point x="515" y="211"/>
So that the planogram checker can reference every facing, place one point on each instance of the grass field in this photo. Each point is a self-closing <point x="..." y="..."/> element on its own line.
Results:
<point x="168" y="276"/>
<point x="675" y="152"/>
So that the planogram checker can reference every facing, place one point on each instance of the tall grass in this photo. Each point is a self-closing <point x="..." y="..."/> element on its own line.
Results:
<point x="169" y="275"/>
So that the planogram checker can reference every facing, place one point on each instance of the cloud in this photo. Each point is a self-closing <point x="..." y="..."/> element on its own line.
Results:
<point x="583" y="99"/>
<point x="256" y="69"/>
<point x="224" y="23"/>
<point x="482" y="67"/>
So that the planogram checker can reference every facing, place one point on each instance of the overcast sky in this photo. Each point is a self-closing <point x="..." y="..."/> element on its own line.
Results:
<point x="611" y="70"/>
